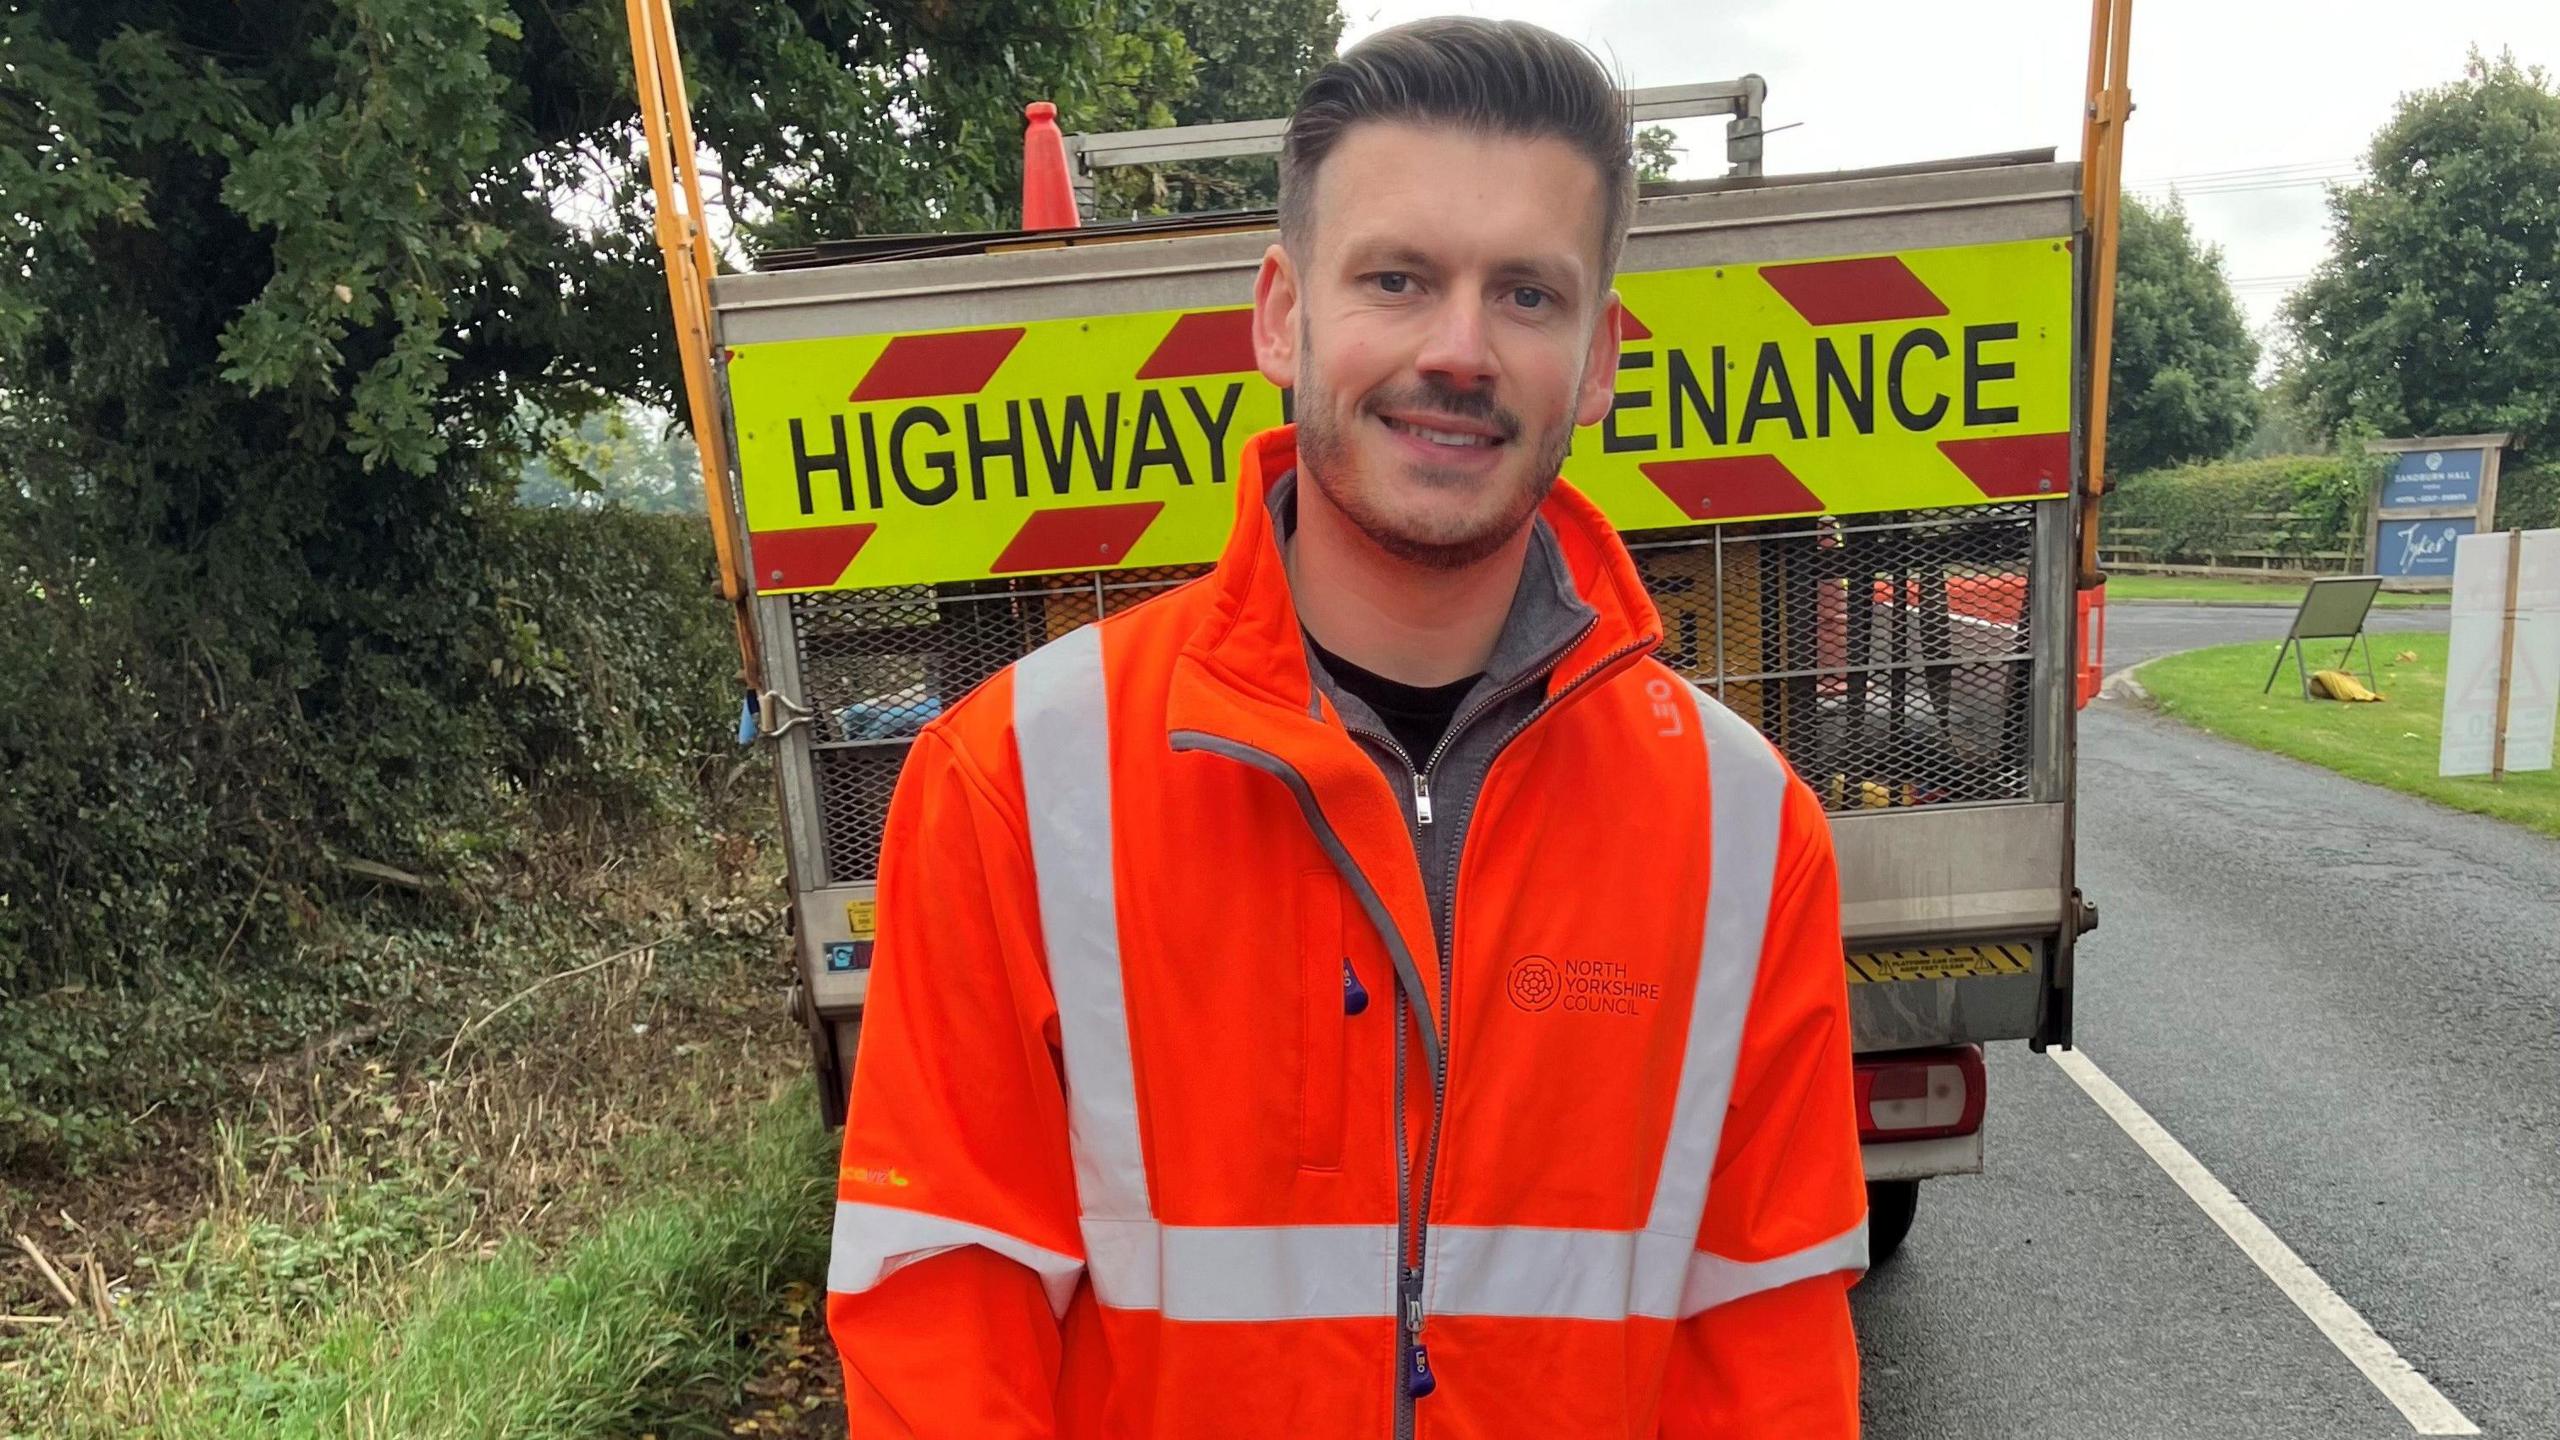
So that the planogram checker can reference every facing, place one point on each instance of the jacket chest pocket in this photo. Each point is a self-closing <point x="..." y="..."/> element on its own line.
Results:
<point x="1326" y="992"/>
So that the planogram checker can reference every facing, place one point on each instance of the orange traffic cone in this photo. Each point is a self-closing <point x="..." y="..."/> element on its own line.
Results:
<point x="1048" y="195"/>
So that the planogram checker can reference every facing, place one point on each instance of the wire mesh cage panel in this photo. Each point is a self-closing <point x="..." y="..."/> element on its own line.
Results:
<point x="876" y="666"/>
<point x="1890" y="656"/>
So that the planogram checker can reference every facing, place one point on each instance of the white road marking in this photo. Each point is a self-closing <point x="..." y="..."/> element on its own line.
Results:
<point x="2425" y="1407"/>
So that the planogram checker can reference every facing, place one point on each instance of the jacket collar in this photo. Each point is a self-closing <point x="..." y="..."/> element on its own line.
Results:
<point x="1580" y="581"/>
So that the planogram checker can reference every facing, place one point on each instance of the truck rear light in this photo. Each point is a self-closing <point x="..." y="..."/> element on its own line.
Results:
<point x="2089" y="673"/>
<point x="1920" y="1094"/>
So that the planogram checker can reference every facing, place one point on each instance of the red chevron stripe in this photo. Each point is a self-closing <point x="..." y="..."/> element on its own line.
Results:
<point x="2005" y="467"/>
<point x="1076" y="537"/>
<point x="1853" y="292"/>
<point x="805" y="559"/>
<point x="1629" y="327"/>
<point x="1732" y="487"/>
<point x="1206" y="342"/>
<point x="916" y="366"/>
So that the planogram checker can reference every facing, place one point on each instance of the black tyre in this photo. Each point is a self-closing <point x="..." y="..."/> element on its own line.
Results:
<point x="1891" y="1204"/>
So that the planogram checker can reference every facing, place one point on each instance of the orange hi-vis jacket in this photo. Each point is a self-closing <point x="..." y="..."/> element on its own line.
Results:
<point x="1189" y="1104"/>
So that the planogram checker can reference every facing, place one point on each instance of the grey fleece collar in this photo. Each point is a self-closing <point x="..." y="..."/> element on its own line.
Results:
<point x="1547" y="613"/>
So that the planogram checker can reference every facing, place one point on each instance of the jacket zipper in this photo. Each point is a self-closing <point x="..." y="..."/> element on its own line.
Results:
<point x="1410" y="1371"/>
<point x="1413" y="1216"/>
<point x="1413" y="1376"/>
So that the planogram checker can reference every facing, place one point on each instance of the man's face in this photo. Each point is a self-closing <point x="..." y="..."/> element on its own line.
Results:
<point x="1445" y="329"/>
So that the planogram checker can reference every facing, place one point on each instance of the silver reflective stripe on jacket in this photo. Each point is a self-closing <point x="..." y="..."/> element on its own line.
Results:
<point x="1748" y="790"/>
<point x="874" y="1242"/>
<point x="1062" y="730"/>
<point x="1059" y="711"/>
<point x="1303" y="1272"/>
<point x="1714" y="1280"/>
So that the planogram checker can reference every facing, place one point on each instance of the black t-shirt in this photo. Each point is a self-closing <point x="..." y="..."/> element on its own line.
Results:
<point x="1417" y="716"/>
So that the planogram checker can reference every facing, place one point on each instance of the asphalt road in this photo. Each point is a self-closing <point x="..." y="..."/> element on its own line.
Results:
<point x="2342" y="1002"/>
<point x="2136" y="633"/>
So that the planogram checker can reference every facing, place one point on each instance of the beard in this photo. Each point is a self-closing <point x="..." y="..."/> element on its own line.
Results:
<point x="1329" y="457"/>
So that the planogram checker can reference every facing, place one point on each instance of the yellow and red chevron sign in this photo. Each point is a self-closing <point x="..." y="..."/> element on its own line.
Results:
<point x="1849" y="385"/>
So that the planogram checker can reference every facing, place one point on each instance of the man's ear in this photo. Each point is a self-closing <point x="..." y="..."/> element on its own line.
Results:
<point x="1275" y="318"/>
<point x="1600" y="365"/>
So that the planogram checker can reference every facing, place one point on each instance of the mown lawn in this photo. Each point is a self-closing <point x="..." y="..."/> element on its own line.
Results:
<point x="2391" y="744"/>
<point x="2213" y="590"/>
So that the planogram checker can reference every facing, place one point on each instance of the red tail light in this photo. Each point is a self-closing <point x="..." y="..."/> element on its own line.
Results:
<point x="2090" y="671"/>
<point x="1920" y="1094"/>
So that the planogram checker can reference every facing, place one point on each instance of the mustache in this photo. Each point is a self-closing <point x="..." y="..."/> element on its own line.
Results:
<point x="1434" y="394"/>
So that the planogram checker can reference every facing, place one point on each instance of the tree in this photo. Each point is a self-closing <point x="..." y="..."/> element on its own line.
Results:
<point x="2283" y="427"/>
<point x="2438" y="308"/>
<point x="290" y="292"/>
<point x="1254" y="55"/>
<point x="628" y="457"/>
<point x="1657" y="151"/>
<point x="1252" y="58"/>
<point x="2181" y="386"/>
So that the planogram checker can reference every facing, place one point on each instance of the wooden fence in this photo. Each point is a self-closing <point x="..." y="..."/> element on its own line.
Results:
<point x="2132" y="550"/>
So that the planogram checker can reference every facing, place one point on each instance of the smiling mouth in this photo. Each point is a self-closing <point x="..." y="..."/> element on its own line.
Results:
<point x="1453" y="439"/>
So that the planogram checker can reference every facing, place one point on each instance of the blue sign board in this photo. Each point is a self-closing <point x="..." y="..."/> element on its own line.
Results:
<point x="2419" y="547"/>
<point x="2434" y="477"/>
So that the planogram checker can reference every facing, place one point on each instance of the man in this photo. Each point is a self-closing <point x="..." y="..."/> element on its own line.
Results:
<point x="1362" y="993"/>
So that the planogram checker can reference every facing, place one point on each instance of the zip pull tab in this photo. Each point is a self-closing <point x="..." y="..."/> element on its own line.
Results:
<point x="1418" y="1379"/>
<point x="1355" y="996"/>
<point x="1421" y="798"/>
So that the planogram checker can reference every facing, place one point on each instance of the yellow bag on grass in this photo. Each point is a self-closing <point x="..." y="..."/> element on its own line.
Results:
<point x="2339" y="685"/>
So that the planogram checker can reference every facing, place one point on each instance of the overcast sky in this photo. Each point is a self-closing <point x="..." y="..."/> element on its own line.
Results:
<point x="2246" y="105"/>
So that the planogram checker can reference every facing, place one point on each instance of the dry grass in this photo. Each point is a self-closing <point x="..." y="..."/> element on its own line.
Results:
<point x="605" y="1108"/>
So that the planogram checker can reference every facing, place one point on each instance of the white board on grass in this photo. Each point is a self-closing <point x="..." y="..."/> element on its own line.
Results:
<point x="2471" y="672"/>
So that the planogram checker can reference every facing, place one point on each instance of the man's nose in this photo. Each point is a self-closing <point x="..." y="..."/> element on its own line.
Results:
<point x="1460" y="346"/>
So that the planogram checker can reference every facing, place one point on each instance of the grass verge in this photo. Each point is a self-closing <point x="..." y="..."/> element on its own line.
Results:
<point x="2215" y="590"/>
<point x="634" y="1327"/>
<point x="2392" y="744"/>
<point x="567" y="1182"/>
<point x="619" y="1335"/>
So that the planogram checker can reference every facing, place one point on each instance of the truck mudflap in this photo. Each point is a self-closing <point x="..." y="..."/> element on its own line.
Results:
<point x="1927" y="995"/>
<point x="1956" y="921"/>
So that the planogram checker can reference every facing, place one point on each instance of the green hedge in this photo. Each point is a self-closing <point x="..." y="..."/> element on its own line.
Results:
<point x="2194" y="514"/>
<point x="190" y="766"/>
<point x="2295" y="507"/>
<point x="2529" y="499"/>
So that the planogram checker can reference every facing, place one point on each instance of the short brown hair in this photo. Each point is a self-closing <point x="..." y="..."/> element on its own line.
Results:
<point x="1501" y="77"/>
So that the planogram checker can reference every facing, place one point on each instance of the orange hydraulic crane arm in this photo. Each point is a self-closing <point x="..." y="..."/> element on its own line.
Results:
<point x="2110" y="104"/>
<point x="685" y="241"/>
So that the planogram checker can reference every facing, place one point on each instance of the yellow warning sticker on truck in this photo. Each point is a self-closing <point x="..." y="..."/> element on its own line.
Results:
<point x="1941" y="962"/>
<point x="862" y="918"/>
<point x="1845" y="385"/>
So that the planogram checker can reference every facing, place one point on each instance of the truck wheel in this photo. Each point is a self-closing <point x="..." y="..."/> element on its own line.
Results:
<point x="1890" y="1207"/>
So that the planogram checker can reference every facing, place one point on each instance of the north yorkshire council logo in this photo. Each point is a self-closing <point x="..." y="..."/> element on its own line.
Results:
<point x="1539" y="983"/>
<point x="1535" y="983"/>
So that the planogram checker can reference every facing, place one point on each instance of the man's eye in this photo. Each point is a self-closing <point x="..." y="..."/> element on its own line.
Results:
<point x="1529" y="297"/>
<point x="1393" y="282"/>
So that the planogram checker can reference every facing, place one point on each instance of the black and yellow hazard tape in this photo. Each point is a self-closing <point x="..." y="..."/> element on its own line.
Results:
<point x="1941" y="962"/>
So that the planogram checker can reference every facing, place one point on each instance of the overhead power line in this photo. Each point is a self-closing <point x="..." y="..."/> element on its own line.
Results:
<point x="2301" y="183"/>
<point x="2301" y="174"/>
<point x="2249" y="171"/>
